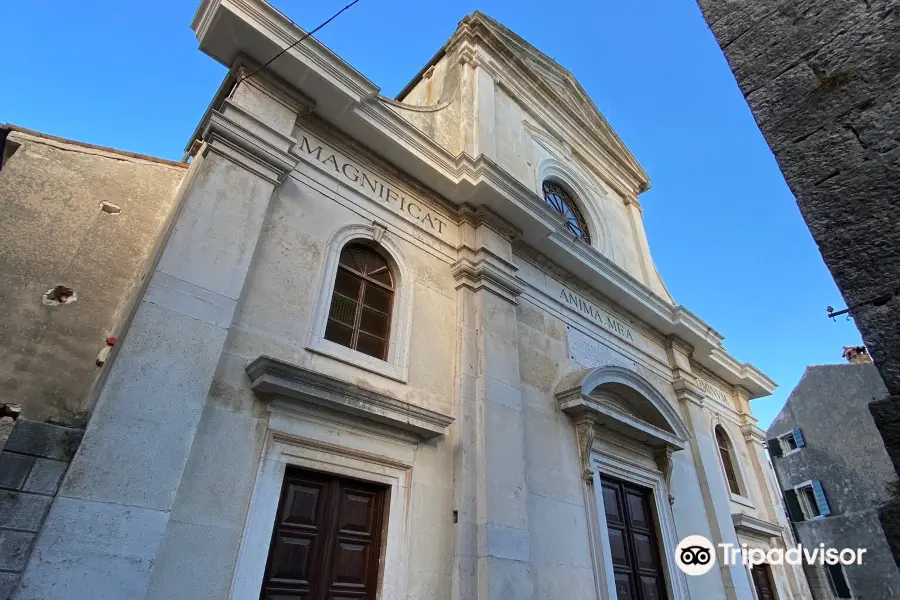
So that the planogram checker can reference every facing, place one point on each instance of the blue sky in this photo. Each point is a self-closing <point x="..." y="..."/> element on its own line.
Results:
<point x="723" y="226"/>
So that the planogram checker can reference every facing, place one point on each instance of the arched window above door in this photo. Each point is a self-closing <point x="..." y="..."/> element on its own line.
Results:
<point x="360" y="313"/>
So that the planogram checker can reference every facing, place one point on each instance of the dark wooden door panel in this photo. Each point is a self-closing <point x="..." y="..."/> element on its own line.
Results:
<point x="632" y="539"/>
<point x="326" y="539"/>
<point x="292" y="559"/>
<point x="355" y="552"/>
<point x="762" y="581"/>
<point x="624" y="587"/>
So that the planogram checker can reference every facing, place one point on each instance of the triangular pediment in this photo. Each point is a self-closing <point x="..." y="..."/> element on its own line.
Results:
<point x="558" y="82"/>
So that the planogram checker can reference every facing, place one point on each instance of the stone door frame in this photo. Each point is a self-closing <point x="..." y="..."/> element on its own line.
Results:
<point x="291" y="441"/>
<point x="633" y="472"/>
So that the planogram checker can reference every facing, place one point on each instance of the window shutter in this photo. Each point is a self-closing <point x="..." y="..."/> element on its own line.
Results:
<point x="793" y="505"/>
<point x="798" y="437"/>
<point x="822" y="503"/>
<point x="774" y="447"/>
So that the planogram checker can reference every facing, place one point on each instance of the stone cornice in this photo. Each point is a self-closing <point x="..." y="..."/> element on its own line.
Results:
<point x="688" y="391"/>
<point x="482" y="269"/>
<point x="249" y="143"/>
<point x="755" y="527"/>
<point x="581" y="408"/>
<point x="272" y="376"/>
<point x="281" y="33"/>
<point x="753" y="433"/>
<point x="483" y="216"/>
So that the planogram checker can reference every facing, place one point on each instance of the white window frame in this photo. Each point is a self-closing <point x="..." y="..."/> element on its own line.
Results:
<point x="323" y="445"/>
<point x="786" y="450"/>
<point x="803" y="501"/>
<point x="663" y="517"/>
<point x="743" y="497"/>
<point x="396" y="366"/>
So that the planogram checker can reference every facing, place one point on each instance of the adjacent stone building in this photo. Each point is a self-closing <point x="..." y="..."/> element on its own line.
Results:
<point x="78" y="227"/>
<point x="411" y="348"/>
<point x="835" y="475"/>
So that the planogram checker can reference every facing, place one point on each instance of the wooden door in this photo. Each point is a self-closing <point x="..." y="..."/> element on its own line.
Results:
<point x="636" y="559"/>
<point x="326" y="540"/>
<point x="762" y="581"/>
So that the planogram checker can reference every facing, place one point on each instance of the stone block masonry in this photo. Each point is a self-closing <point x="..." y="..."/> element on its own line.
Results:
<point x="32" y="464"/>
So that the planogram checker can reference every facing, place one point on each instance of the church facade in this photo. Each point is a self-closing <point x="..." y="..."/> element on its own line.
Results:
<point x="409" y="348"/>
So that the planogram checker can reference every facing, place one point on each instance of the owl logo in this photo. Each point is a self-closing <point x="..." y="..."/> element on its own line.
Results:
<point x="695" y="555"/>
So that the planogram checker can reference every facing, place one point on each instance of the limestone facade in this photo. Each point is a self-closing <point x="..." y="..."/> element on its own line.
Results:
<point x="525" y="369"/>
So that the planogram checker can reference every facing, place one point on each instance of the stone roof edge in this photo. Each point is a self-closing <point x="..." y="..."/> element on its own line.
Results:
<point x="62" y="140"/>
<point x="607" y="142"/>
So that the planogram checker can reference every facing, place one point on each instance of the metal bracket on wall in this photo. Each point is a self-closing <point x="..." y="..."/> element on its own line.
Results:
<point x="879" y="300"/>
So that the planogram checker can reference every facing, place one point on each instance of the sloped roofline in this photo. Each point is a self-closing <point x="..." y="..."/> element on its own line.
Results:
<point x="55" y="138"/>
<point x="494" y="28"/>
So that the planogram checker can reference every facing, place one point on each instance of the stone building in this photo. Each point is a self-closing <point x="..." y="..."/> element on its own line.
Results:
<point x="835" y="474"/>
<point x="409" y="348"/>
<point x="78" y="224"/>
<point x="821" y="79"/>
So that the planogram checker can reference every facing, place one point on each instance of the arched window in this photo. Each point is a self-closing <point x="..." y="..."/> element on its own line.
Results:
<point x="727" y="460"/>
<point x="562" y="202"/>
<point x="360" y="312"/>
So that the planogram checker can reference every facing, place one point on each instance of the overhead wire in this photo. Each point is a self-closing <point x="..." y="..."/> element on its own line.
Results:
<point x="303" y="37"/>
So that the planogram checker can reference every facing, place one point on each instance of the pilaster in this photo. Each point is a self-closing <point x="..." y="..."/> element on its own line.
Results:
<point x="481" y="94"/>
<point x="105" y="527"/>
<point x="709" y="473"/>
<point x="492" y="553"/>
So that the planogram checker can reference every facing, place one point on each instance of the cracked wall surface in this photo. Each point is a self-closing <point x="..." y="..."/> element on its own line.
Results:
<point x="55" y="233"/>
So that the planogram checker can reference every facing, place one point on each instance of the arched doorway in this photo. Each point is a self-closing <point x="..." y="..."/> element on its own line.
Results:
<point x="627" y="432"/>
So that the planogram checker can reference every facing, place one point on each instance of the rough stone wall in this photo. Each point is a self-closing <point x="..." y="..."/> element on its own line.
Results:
<point x="55" y="231"/>
<point x="31" y="466"/>
<point x="843" y="451"/>
<point x="822" y="79"/>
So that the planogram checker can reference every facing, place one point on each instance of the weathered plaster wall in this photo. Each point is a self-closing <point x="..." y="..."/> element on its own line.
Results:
<point x="843" y="451"/>
<point x="435" y="104"/>
<point x="821" y="81"/>
<point x="53" y="232"/>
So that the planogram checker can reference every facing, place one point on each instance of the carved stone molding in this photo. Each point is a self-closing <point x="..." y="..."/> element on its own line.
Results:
<point x="378" y="231"/>
<point x="580" y="396"/>
<point x="688" y="391"/>
<point x="584" y="433"/>
<point x="273" y="376"/>
<point x="753" y="433"/>
<point x="476" y="216"/>
<point x="756" y="527"/>
<point x="238" y="136"/>
<point x="663" y="457"/>
<point x="482" y="272"/>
